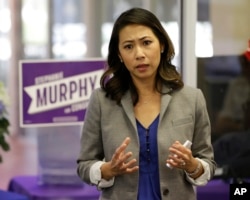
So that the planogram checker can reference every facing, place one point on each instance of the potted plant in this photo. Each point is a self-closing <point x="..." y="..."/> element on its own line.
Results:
<point x="4" y="122"/>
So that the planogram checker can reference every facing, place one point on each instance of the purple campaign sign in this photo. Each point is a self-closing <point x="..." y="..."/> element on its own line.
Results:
<point x="56" y="93"/>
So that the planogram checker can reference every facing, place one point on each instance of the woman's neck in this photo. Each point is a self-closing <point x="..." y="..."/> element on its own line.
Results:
<point x="145" y="87"/>
<point x="147" y="93"/>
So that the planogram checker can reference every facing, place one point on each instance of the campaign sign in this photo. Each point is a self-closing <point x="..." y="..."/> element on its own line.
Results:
<point x="55" y="92"/>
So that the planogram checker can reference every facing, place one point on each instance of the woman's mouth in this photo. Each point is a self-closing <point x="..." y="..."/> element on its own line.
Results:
<point x="142" y="67"/>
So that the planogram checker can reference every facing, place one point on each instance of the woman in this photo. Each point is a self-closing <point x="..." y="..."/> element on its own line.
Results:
<point x="138" y="120"/>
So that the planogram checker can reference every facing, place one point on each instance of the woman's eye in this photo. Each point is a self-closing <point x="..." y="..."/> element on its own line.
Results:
<point x="129" y="46"/>
<point x="147" y="42"/>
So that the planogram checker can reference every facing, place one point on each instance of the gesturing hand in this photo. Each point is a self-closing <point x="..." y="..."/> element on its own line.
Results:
<point x="181" y="157"/>
<point x="120" y="162"/>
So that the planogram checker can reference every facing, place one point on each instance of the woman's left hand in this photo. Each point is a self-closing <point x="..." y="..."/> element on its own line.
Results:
<point x="181" y="157"/>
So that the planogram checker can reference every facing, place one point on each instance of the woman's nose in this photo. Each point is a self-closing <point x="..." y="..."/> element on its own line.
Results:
<point x="139" y="54"/>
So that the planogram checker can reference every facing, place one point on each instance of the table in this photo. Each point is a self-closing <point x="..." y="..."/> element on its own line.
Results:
<point x="5" y="195"/>
<point x="28" y="185"/>
<point x="215" y="189"/>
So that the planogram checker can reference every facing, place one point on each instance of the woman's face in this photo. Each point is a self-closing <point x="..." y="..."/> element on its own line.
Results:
<point x="140" y="50"/>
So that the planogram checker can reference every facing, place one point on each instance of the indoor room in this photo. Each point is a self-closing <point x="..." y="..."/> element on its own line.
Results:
<point x="53" y="54"/>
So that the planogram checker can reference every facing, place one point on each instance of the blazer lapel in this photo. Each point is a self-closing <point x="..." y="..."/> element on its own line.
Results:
<point x="165" y="99"/>
<point x="127" y="105"/>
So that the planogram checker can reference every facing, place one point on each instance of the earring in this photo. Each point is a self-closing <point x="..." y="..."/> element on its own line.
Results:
<point x="120" y="59"/>
<point x="162" y="50"/>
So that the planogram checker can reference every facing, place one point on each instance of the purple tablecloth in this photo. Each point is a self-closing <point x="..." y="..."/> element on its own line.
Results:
<point x="216" y="189"/>
<point x="28" y="185"/>
<point x="5" y="195"/>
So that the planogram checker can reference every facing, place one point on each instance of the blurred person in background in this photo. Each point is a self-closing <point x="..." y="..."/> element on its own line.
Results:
<point x="237" y="100"/>
<point x="232" y="149"/>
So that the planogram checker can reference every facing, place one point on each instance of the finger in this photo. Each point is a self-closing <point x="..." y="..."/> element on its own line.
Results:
<point x="175" y="152"/>
<point x="126" y="156"/>
<point x="175" y="159"/>
<point x="172" y="163"/>
<point x="124" y="144"/>
<point x="180" y="150"/>
<point x="132" y="169"/>
<point x="126" y="141"/>
<point x="178" y="146"/>
<point x="117" y="159"/>
<point x="185" y="155"/>
<point x="129" y="164"/>
<point x="120" y="150"/>
<point x="122" y="159"/>
<point x="176" y="143"/>
<point x="179" y="163"/>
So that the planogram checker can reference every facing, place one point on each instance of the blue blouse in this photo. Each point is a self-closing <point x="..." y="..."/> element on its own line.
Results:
<point x="149" y="183"/>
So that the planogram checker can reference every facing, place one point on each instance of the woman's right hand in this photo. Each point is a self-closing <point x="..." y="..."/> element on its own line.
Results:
<point x="121" y="162"/>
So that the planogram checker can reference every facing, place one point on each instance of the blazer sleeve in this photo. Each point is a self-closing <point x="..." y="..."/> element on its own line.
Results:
<point x="203" y="148"/>
<point x="91" y="149"/>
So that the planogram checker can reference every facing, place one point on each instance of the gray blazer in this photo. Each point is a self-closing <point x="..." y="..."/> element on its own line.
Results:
<point x="183" y="116"/>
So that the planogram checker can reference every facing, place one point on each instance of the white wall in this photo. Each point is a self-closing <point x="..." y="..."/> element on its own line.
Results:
<point x="231" y="26"/>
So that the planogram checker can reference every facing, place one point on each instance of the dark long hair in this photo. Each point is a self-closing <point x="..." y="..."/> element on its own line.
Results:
<point x="116" y="80"/>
